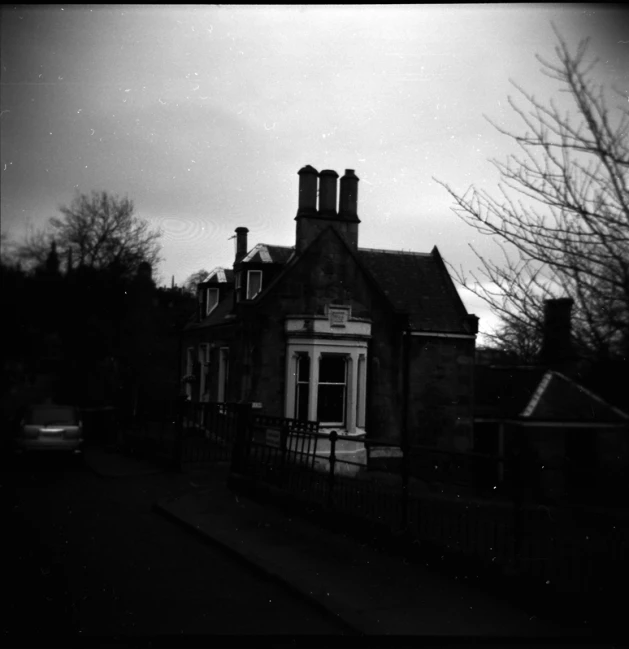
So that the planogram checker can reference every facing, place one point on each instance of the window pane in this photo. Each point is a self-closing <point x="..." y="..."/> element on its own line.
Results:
<point x="332" y="369"/>
<point x="255" y="282"/>
<point x="212" y="298"/>
<point x="302" y="401"/>
<point x="303" y="369"/>
<point x="331" y="404"/>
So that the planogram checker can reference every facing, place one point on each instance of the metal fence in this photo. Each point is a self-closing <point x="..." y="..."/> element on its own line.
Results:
<point x="208" y="431"/>
<point x="544" y="544"/>
<point x="185" y="433"/>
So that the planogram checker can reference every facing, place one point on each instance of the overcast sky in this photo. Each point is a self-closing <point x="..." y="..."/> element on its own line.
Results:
<point x="204" y="114"/>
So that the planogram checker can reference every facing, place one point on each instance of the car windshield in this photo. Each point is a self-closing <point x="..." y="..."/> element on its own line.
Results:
<point x="46" y="415"/>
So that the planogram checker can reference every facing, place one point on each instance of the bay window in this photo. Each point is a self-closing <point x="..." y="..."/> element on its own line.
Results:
<point x="326" y="368"/>
<point x="302" y="388"/>
<point x="332" y="390"/>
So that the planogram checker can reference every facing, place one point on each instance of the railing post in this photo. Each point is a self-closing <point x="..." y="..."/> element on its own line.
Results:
<point x="241" y="438"/>
<point x="333" y="438"/>
<point x="283" y="450"/>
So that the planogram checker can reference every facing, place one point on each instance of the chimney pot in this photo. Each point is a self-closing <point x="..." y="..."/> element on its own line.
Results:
<point x="241" y="243"/>
<point x="308" y="181"/>
<point x="348" y="203"/>
<point x="327" y="192"/>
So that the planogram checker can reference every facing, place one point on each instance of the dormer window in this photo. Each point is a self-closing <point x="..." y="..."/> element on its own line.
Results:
<point x="211" y="300"/>
<point x="254" y="283"/>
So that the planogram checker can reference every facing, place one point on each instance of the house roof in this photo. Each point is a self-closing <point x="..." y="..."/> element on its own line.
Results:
<point x="559" y="397"/>
<point x="414" y="283"/>
<point x="538" y="394"/>
<point x="269" y="254"/>
<point x="417" y="284"/>
<point x="503" y="392"/>
<point x="219" y="275"/>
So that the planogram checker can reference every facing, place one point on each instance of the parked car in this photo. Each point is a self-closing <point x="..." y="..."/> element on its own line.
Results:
<point x="50" y="427"/>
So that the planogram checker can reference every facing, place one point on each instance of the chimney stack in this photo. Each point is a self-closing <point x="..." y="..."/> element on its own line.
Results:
<point x="308" y="180"/>
<point x="241" y="243"/>
<point x="348" y="203"/>
<point x="327" y="193"/>
<point x="311" y="222"/>
<point x="557" y="350"/>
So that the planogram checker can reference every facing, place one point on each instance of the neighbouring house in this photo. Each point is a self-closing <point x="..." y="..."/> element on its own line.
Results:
<point x="579" y="441"/>
<point x="367" y="342"/>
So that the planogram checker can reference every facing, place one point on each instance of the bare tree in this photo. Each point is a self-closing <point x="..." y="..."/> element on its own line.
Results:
<point x="562" y="214"/>
<point x="101" y="230"/>
<point x="194" y="280"/>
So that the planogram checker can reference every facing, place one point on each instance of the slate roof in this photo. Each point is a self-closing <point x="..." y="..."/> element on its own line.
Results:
<point x="419" y="284"/>
<point x="218" y="315"/>
<point x="538" y="394"/>
<point x="269" y="254"/>
<point x="213" y="277"/>
<point x="563" y="399"/>
<point x="415" y="283"/>
<point x="504" y="392"/>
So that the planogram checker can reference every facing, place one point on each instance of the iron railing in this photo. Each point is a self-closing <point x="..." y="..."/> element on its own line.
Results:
<point x="542" y="543"/>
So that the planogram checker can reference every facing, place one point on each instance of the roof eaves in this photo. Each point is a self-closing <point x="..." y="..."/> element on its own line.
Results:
<point x="537" y="395"/>
<point x="219" y="271"/>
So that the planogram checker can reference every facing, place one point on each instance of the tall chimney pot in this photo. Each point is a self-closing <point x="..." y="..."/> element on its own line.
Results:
<point x="348" y="203"/>
<point x="241" y="243"/>
<point x="308" y="181"/>
<point x="327" y="192"/>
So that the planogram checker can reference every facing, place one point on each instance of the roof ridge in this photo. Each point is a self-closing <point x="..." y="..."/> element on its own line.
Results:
<point x="396" y="252"/>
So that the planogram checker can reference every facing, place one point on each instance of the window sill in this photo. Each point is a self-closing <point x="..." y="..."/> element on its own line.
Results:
<point x="359" y="434"/>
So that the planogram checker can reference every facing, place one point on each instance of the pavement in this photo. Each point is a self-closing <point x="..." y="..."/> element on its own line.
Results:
<point x="370" y="592"/>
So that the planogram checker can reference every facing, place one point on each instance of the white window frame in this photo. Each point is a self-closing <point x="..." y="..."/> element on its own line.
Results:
<point x="301" y="385"/>
<point x="208" y="292"/>
<point x="204" y="361"/>
<point x="249" y="275"/>
<point x="355" y="352"/>
<point x="189" y="369"/>
<point x="223" y="373"/>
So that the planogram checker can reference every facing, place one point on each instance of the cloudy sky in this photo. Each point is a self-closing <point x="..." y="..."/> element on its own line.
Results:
<point x="204" y="114"/>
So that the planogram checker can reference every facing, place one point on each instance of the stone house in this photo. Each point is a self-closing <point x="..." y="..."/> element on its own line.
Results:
<point x="368" y="342"/>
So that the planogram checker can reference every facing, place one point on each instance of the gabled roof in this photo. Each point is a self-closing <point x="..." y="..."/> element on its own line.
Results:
<point x="560" y="398"/>
<point x="219" y="275"/>
<point x="417" y="284"/>
<point x="536" y="394"/>
<point x="268" y="254"/>
<point x="414" y="283"/>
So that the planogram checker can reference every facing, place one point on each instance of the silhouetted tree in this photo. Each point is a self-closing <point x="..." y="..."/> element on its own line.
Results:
<point x="102" y="231"/>
<point x="562" y="215"/>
